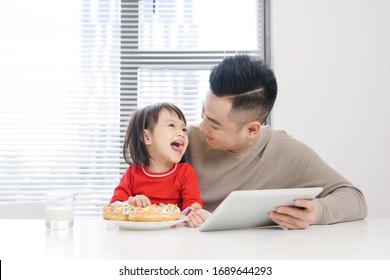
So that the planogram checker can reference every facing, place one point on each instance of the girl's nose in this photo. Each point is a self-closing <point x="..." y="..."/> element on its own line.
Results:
<point x="180" y="133"/>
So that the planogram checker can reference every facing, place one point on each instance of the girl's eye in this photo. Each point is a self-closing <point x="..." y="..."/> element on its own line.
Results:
<point x="185" y="130"/>
<point x="171" y="125"/>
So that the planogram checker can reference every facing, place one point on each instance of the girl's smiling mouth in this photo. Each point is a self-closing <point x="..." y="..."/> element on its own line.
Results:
<point x="177" y="146"/>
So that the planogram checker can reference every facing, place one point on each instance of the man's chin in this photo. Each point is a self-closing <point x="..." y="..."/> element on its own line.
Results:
<point x="214" y="145"/>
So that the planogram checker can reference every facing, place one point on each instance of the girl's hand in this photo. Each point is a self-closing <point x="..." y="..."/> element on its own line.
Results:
<point x="139" y="201"/>
<point x="195" y="217"/>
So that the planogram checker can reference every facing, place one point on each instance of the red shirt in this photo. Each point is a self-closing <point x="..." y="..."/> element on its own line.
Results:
<point x="179" y="185"/>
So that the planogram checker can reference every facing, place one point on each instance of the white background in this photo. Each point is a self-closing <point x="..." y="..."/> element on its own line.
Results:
<point x="332" y="62"/>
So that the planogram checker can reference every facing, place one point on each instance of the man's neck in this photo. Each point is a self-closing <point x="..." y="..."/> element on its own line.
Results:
<point x="246" y="146"/>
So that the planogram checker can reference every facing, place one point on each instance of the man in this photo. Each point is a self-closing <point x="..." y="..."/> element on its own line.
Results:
<point x="230" y="150"/>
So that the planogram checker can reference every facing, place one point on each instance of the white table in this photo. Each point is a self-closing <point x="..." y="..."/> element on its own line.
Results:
<point x="101" y="240"/>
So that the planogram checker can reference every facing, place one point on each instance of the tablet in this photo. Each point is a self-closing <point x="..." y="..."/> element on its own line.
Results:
<point x="249" y="208"/>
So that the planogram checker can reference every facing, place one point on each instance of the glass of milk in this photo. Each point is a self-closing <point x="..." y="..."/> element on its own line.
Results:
<point x="59" y="210"/>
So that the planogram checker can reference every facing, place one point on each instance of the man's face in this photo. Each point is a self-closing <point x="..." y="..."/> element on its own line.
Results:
<point x="222" y="132"/>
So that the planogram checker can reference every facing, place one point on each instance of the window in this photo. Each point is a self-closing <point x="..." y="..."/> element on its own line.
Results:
<point x="69" y="82"/>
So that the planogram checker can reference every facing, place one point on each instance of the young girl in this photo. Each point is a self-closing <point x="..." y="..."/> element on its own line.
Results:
<point x="155" y="142"/>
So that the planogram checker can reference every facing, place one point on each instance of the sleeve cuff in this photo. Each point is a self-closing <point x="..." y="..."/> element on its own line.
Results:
<point x="320" y="212"/>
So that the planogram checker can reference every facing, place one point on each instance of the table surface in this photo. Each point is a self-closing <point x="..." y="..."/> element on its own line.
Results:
<point x="101" y="240"/>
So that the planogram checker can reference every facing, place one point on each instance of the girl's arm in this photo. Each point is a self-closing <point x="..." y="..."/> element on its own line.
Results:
<point x="124" y="190"/>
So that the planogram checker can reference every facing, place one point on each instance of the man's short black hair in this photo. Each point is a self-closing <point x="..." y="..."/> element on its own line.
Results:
<point x="249" y="82"/>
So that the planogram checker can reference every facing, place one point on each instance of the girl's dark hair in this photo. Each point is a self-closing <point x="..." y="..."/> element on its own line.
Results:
<point x="134" y="148"/>
<point x="249" y="82"/>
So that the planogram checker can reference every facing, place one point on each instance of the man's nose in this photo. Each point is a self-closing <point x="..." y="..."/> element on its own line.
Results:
<point x="202" y="126"/>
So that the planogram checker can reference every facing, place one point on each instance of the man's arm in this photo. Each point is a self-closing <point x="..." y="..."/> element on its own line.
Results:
<point x="340" y="200"/>
<point x="335" y="207"/>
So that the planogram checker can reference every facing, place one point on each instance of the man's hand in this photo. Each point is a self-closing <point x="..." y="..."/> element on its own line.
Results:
<point x="299" y="217"/>
<point x="139" y="201"/>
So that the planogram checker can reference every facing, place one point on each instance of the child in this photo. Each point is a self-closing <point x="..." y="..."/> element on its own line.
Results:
<point x="155" y="142"/>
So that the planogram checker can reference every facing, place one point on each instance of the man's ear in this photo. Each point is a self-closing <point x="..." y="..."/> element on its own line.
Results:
<point x="147" y="139"/>
<point x="253" y="129"/>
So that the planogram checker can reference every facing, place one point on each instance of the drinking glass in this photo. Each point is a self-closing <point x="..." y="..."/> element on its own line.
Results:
<point x="59" y="210"/>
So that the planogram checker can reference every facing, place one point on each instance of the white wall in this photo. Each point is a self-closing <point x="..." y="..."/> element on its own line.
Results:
<point x="332" y="62"/>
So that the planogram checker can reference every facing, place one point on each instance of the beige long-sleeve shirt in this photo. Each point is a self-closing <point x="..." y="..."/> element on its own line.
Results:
<point x="276" y="161"/>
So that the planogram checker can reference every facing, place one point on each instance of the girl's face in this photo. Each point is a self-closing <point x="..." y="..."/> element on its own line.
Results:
<point x="167" y="142"/>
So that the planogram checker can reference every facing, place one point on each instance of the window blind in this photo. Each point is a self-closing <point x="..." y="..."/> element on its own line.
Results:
<point x="69" y="82"/>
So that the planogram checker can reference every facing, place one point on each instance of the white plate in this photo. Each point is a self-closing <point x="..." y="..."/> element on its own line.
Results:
<point x="148" y="225"/>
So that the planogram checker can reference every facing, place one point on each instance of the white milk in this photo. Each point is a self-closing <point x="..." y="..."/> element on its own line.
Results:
<point x="59" y="217"/>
